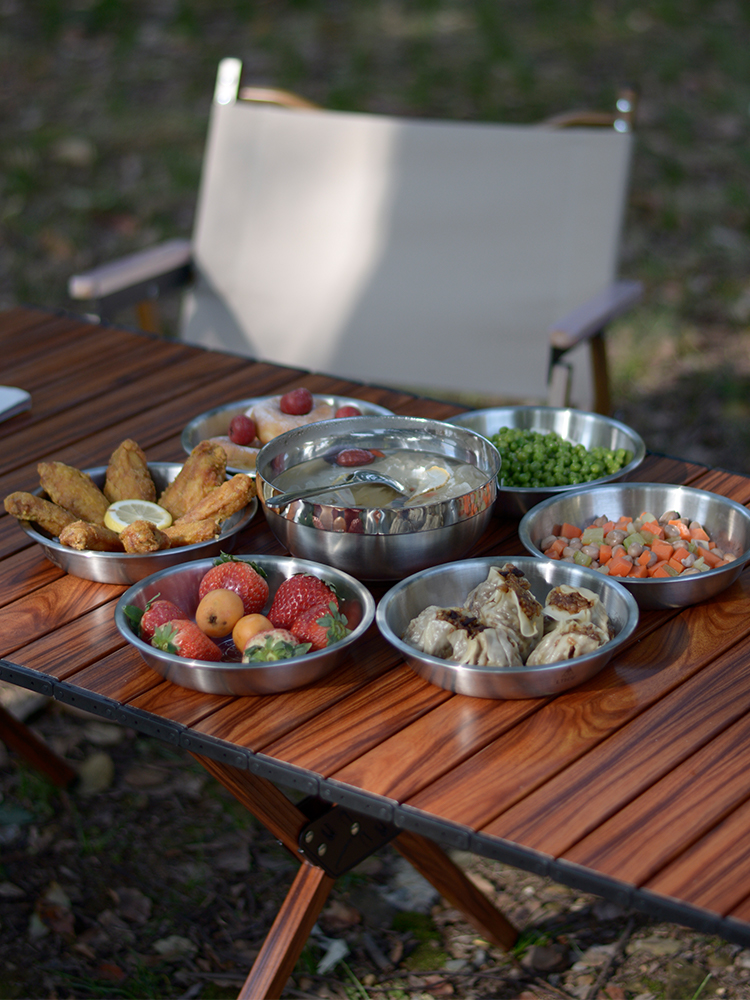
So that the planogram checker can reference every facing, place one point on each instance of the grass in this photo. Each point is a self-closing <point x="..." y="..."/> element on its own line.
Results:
<point x="104" y="106"/>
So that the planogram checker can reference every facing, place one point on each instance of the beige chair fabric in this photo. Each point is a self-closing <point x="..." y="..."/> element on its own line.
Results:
<point x="404" y="252"/>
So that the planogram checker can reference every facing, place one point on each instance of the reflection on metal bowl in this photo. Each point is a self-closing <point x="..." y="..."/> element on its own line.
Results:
<point x="126" y="568"/>
<point x="448" y="586"/>
<point x="589" y="429"/>
<point x="180" y="585"/>
<point x="215" y="423"/>
<point x="727" y="523"/>
<point x="380" y="543"/>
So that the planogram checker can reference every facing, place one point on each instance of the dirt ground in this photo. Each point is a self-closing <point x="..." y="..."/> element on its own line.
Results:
<point x="147" y="879"/>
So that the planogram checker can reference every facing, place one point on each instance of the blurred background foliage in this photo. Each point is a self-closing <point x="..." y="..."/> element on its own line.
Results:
<point x="104" y="106"/>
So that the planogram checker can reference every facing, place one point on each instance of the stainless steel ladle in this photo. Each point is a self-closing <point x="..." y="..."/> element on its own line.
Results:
<point x="358" y="477"/>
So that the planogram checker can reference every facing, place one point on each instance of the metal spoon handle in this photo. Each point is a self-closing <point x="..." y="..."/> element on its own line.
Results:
<point x="282" y="499"/>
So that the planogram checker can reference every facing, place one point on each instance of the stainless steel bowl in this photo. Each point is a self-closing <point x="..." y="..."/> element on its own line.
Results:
<point x="215" y="423"/>
<point x="589" y="429"/>
<point x="379" y="543"/>
<point x="449" y="585"/>
<point x="126" y="568"/>
<point x="180" y="584"/>
<point x="727" y="523"/>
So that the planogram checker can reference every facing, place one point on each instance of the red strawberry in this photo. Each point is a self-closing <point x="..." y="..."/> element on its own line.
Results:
<point x="298" y="593"/>
<point x="184" y="638"/>
<point x="239" y="575"/>
<point x="320" y="626"/>
<point x="158" y="611"/>
<point x="273" y="644"/>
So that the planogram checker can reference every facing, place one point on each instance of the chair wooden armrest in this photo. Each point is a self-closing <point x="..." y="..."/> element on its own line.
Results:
<point x="134" y="279"/>
<point x="587" y="323"/>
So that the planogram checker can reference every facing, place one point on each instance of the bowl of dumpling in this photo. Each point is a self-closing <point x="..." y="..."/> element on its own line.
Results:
<point x="379" y="497"/>
<point x="515" y="627"/>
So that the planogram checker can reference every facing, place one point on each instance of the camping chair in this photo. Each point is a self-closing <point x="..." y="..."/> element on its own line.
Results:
<point x="444" y="257"/>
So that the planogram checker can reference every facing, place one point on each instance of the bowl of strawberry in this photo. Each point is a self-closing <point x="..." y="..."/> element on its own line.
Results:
<point x="245" y="625"/>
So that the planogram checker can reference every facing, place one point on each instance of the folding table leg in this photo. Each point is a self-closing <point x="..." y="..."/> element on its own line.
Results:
<point x="25" y="742"/>
<point x="434" y="864"/>
<point x="288" y="935"/>
<point x="310" y="889"/>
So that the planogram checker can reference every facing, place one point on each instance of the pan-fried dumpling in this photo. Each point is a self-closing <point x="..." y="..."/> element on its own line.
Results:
<point x="486" y="647"/>
<point x="431" y="629"/>
<point x="564" y="603"/>
<point x="505" y="598"/>
<point x="568" y="640"/>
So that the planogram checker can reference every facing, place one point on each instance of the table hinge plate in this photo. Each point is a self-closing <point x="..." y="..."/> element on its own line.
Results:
<point x="337" y="840"/>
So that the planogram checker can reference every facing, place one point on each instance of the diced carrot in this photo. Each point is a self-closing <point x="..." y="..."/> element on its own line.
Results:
<point x="682" y="528"/>
<point x="618" y="550"/>
<point x="654" y="569"/>
<point x="551" y="554"/>
<point x="608" y="526"/>
<point x="570" y="531"/>
<point x="639" y="572"/>
<point x="558" y="545"/>
<point x="605" y="554"/>
<point x="619" y="567"/>
<point x="661" y="550"/>
<point x="654" y="528"/>
<point x="698" y="533"/>
<point x="680" y="554"/>
<point x="712" y="559"/>
<point x="623" y="522"/>
<point x="676" y="565"/>
<point x="645" y="557"/>
<point x="661" y="572"/>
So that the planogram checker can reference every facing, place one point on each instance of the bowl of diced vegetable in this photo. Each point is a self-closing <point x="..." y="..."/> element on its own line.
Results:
<point x="548" y="450"/>
<point x="670" y="546"/>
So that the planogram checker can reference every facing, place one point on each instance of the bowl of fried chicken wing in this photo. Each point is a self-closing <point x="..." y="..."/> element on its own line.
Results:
<point x="201" y="511"/>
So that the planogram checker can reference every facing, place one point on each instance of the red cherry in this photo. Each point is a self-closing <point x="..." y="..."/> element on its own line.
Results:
<point x="242" y="429"/>
<point x="296" y="402"/>
<point x="348" y="411"/>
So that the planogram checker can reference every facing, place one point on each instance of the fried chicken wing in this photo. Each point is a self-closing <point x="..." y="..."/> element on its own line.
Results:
<point x="84" y="535"/>
<point x="191" y="532"/>
<point x="74" y="490"/>
<point x="144" y="536"/>
<point x="222" y="502"/>
<point x="128" y="477"/>
<point x="204" y="470"/>
<point x="45" y="514"/>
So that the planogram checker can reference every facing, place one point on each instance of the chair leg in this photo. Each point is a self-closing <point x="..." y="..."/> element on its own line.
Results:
<point x="435" y="865"/>
<point x="288" y="935"/>
<point x="20" y="738"/>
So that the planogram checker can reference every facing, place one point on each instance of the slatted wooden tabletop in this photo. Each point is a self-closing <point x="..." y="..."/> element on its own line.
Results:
<point x="633" y="786"/>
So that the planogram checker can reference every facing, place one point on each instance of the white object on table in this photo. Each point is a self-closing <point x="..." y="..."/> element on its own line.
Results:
<point x="13" y="401"/>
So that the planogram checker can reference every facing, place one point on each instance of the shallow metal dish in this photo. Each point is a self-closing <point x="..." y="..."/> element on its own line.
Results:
<point x="180" y="584"/>
<point x="126" y="568"/>
<point x="727" y="523"/>
<point x="449" y="585"/>
<point x="580" y="427"/>
<point x="379" y="543"/>
<point x="215" y="423"/>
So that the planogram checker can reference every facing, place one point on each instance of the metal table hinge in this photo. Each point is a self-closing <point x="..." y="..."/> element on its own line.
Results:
<point x="337" y="840"/>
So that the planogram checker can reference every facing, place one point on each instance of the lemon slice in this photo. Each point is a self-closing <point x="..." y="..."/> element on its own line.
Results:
<point x="123" y="512"/>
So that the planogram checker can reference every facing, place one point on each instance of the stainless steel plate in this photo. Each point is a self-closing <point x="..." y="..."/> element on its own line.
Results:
<point x="448" y="586"/>
<point x="727" y="523"/>
<point x="215" y="423"/>
<point x="578" y="426"/>
<point x="127" y="568"/>
<point x="180" y="584"/>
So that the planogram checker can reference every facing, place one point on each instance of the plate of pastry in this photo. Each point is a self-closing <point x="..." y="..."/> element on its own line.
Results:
<point x="244" y="426"/>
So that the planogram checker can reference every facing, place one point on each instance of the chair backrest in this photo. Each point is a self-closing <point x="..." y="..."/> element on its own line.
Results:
<point x="404" y="252"/>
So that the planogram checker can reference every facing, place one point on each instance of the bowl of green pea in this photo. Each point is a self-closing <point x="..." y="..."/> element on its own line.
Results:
<point x="547" y="450"/>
